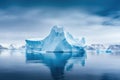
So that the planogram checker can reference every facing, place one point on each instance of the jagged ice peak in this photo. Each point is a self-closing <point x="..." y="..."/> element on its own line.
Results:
<point x="58" y="29"/>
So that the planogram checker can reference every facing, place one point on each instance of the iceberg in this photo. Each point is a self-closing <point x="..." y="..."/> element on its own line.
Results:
<point x="1" y="47"/>
<point x="12" y="47"/>
<point x="114" y="49"/>
<point x="58" y="41"/>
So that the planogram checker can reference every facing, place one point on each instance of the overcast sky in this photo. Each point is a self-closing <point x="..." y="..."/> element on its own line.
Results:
<point x="96" y="20"/>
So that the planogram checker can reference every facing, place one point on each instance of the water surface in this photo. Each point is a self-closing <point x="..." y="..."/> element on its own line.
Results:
<point x="18" y="65"/>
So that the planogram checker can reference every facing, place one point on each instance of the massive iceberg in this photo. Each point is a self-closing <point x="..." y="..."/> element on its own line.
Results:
<point x="57" y="41"/>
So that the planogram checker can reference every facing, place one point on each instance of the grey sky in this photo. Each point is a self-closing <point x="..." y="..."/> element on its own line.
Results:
<point x="96" y="20"/>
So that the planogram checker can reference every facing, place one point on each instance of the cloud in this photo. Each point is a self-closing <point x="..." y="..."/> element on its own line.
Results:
<point x="98" y="7"/>
<point x="37" y="22"/>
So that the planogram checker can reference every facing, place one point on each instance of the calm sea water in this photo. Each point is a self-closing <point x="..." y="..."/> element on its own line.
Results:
<point x="18" y="65"/>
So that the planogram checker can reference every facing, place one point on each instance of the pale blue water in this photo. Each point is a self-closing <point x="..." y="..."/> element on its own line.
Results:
<point x="18" y="65"/>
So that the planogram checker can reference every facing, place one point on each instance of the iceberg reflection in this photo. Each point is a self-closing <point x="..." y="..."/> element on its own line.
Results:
<point x="57" y="62"/>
